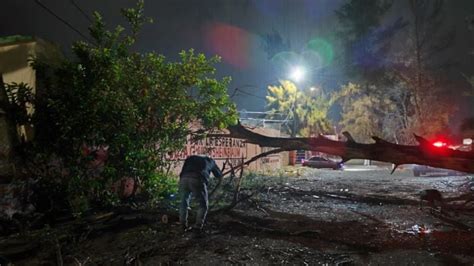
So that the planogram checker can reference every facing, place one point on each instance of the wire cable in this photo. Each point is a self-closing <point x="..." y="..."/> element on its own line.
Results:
<point x="81" y="10"/>
<point x="249" y="94"/>
<point x="62" y="20"/>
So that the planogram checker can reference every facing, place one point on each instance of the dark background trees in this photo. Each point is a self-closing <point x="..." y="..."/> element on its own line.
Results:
<point x="397" y="64"/>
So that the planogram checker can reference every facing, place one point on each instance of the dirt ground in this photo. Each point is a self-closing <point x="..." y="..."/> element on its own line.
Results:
<point x="359" y="216"/>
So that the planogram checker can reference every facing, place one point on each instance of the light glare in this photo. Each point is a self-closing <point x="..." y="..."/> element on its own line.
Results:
<point x="439" y="144"/>
<point x="297" y="74"/>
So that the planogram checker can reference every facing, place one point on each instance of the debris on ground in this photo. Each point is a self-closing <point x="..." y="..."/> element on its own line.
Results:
<point x="323" y="217"/>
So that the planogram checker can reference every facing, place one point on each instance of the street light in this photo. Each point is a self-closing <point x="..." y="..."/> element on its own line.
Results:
<point x="297" y="73"/>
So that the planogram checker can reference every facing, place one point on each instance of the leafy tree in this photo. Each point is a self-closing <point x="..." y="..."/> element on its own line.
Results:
<point x="109" y="112"/>
<point x="313" y="113"/>
<point x="308" y="112"/>
<point x="368" y="111"/>
<point x="367" y="108"/>
<point x="364" y="111"/>
<point x="419" y="66"/>
<point x="399" y="91"/>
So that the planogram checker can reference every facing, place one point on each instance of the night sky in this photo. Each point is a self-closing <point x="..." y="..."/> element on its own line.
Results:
<point x="232" y="29"/>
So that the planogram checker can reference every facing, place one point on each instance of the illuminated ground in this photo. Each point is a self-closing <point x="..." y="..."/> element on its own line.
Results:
<point x="321" y="217"/>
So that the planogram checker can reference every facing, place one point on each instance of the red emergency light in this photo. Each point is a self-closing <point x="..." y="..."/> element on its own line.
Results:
<point x="439" y="144"/>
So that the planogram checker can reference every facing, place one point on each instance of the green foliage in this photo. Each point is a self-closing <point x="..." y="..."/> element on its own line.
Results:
<point x="15" y="39"/>
<point x="395" y="102"/>
<point x="363" y="111"/>
<point x="258" y="180"/>
<point x="160" y="187"/>
<point x="109" y="112"/>
<point x="313" y="113"/>
<point x="308" y="109"/>
<point x="391" y="113"/>
<point x="20" y="97"/>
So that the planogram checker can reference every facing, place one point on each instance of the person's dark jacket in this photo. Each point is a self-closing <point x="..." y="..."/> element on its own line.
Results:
<point x="196" y="166"/>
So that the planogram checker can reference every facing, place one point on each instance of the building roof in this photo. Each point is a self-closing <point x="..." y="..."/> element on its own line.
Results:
<point x="14" y="39"/>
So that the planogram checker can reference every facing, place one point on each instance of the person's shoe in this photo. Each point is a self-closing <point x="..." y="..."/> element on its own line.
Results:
<point x="185" y="228"/>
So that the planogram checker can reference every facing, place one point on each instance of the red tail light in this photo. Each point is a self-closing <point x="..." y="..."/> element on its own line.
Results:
<point x="439" y="144"/>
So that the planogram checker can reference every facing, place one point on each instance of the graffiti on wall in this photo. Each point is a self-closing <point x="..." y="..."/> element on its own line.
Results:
<point x="218" y="148"/>
<point x="273" y="159"/>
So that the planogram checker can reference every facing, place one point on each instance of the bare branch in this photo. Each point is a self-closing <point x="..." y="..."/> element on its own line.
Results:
<point x="381" y="150"/>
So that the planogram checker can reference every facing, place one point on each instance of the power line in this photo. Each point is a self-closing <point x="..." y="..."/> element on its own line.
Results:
<point x="62" y="20"/>
<point x="237" y="90"/>
<point x="81" y="10"/>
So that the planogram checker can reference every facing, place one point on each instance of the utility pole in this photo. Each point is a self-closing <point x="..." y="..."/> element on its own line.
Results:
<point x="293" y="131"/>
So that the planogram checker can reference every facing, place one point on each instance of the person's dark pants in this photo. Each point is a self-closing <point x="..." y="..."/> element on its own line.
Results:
<point x="188" y="187"/>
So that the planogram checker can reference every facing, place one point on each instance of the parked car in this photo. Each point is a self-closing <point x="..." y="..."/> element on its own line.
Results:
<point x="319" y="162"/>
<point x="419" y="170"/>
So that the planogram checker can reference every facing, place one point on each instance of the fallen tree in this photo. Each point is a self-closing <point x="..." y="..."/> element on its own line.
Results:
<point x="424" y="153"/>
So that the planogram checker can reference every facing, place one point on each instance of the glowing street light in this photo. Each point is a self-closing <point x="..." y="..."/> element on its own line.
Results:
<point x="297" y="73"/>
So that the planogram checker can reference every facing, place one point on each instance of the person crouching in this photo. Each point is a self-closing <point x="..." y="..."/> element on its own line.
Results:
<point x="193" y="181"/>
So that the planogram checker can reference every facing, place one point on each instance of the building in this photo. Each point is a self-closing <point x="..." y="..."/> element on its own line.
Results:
<point x="233" y="151"/>
<point x="16" y="53"/>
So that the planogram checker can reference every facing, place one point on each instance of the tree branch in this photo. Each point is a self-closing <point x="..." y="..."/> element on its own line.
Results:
<point x="381" y="150"/>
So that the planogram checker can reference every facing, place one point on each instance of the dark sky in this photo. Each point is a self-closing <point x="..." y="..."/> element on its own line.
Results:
<point x="232" y="28"/>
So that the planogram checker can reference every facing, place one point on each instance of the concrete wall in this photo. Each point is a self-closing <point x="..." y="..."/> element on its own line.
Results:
<point x="15" y="68"/>
<point x="6" y="140"/>
<point x="15" y="65"/>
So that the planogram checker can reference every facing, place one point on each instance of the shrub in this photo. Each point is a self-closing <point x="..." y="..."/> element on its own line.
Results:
<point x="109" y="112"/>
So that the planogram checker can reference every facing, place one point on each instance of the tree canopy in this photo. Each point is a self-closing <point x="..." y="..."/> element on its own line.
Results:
<point x="306" y="112"/>
<point x="393" y="69"/>
<point x="109" y="112"/>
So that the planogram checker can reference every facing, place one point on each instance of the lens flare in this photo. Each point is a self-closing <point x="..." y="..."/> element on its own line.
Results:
<point x="323" y="49"/>
<point x="313" y="59"/>
<point x="285" y="59"/>
<point x="229" y="42"/>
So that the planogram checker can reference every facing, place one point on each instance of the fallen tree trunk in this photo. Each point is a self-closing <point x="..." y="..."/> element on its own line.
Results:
<point x="424" y="153"/>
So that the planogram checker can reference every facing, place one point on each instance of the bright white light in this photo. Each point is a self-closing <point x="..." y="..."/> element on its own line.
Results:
<point x="439" y="144"/>
<point x="297" y="73"/>
<point x="312" y="89"/>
